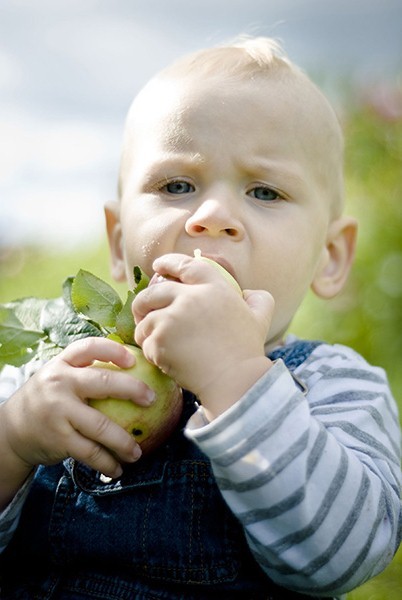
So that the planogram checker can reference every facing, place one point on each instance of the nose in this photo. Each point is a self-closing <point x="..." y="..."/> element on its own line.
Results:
<point x="215" y="219"/>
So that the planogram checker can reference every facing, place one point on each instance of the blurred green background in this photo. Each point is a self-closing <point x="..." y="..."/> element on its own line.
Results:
<point x="366" y="316"/>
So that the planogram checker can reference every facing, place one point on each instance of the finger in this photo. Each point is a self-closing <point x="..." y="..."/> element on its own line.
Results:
<point x="177" y="267"/>
<point x="100" y="438"/>
<point x="98" y="457"/>
<point x="188" y="269"/>
<point x="146" y="327"/>
<point x="98" y="382"/>
<point x="153" y="298"/>
<point x="84" y="352"/>
<point x="95" y="456"/>
<point x="262" y="305"/>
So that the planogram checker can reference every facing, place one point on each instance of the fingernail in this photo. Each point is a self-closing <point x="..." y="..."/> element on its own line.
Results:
<point x="130" y="358"/>
<point x="117" y="472"/>
<point x="150" y="396"/>
<point x="137" y="452"/>
<point x="156" y="278"/>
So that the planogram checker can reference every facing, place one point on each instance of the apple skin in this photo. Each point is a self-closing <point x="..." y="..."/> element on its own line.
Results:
<point x="222" y="270"/>
<point x="150" y="425"/>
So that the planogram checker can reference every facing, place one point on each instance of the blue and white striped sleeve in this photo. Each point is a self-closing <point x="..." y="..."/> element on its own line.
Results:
<point x="313" y="478"/>
<point x="11" y="378"/>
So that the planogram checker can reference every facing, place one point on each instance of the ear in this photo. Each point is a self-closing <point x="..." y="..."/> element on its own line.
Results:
<point x="115" y="237"/>
<point x="337" y="258"/>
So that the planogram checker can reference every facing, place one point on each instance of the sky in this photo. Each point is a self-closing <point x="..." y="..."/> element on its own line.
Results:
<point x="69" y="70"/>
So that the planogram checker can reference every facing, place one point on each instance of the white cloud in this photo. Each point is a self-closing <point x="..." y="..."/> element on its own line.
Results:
<point x="55" y="176"/>
<point x="53" y="216"/>
<point x="10" y="72"/>
<point x="116" y="54"/>
<point x="71" y="146"/>
<point x="53" y="146"/>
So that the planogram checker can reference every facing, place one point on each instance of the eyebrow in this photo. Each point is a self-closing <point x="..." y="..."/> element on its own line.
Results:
<point x="288" y="170"/>
<point x="173" y="159"/>
<point x="178" y="163"/>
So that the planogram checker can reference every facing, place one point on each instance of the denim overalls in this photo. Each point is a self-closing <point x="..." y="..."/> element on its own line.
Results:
<point x="161" y="531"/>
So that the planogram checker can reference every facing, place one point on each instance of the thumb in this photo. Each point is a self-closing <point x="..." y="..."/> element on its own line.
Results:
<point x="261" y="304"/>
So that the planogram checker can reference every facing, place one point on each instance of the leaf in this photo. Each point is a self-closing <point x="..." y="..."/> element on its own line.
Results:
<point x="67" y="286"/>
<point x="28" y="311"/>
<point x="47" y="350"/>
<point x="17" y="344"/>
<point x="125" y="325"/>
<point x="63" y="326"/>
<point x="141" y="280"/>
<point x="95" y="298"/>
<point x="115" y="338"/>
<point x="17" y="356"/>
<point x="41" y="328"/>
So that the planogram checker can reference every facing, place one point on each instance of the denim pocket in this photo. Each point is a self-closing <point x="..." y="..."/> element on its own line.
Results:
<point x="164" y="519"/>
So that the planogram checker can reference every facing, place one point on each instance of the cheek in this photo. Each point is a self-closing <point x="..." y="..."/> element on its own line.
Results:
<point x="140" y="248"/>
<point x="145" y="237"/>
<point x="286" y="268"/>
<point x="288" y="283"/>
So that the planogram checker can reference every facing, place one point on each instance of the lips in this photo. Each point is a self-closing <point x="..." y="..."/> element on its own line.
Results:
<point x="222" y="262"/>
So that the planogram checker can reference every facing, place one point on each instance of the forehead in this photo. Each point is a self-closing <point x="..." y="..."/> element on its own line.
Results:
<point x="172" y="110"/>
<point x="273" y="114"/>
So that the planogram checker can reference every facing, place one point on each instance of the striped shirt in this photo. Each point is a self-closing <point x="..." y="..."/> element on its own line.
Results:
<point x="312" y="471"/>
<point x="313" y="477"/>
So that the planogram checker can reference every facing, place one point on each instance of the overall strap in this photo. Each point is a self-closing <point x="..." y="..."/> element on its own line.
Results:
<point x="295" y="353"/>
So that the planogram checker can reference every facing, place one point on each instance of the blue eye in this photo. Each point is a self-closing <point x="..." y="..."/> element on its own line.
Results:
<point x="178" y="187"/>
<point x="264" y="194"/>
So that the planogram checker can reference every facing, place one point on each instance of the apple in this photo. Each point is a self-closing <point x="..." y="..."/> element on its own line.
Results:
<point x="150" y="425"/>
<point x="222" y="270"/>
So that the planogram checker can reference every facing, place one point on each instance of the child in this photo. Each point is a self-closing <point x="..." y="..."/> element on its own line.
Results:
<point x="283" y="478"/>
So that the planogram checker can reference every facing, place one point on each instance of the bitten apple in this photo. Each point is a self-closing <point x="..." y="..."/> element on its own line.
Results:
<point x="150" y="425"/>
<point x="222" y="270"/>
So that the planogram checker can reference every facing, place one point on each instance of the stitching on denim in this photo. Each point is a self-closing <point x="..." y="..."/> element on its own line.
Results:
<point x="144" y="526"/>
<point x="190" y="559"/>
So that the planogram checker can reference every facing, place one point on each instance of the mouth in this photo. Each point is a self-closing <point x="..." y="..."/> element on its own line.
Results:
<point x="222" y="262"/>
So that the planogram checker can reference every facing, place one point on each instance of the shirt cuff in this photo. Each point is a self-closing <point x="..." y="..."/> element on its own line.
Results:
<point x="198" y="427"/>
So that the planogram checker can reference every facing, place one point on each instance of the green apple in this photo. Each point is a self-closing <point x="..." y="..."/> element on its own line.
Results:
<point x="150" y="425"/>
<point x="222" y="270"/>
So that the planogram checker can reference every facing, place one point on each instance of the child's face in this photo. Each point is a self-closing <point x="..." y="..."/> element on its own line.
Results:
<point x="232" y="172"/>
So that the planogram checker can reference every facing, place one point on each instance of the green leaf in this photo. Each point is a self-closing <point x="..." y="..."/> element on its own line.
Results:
<point x="125" y="325"/>
<point x="95" y="298"/>
<point x="63" y="326"/>
<point x="41" y="328"/>
<point x="47" y="350"/>
<point x="17" y="344"/>
<point x="141" y="279"/>
<point x="67" y="287"/>
<point x="17" y="356"/>
<point x="115" y="338"/>
<point x="28" y="311"/>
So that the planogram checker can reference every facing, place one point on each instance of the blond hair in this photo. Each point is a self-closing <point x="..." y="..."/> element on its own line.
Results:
<point x="258" y="59"/>
<point x="246" y="56"/>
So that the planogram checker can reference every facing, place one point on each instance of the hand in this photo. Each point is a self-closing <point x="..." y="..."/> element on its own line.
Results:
<point x="197" y="328"/>
<point x="48" y="418"/>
